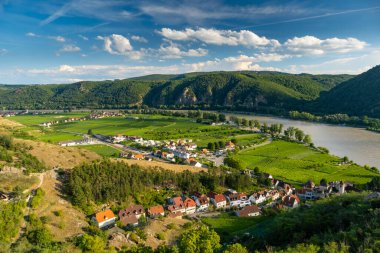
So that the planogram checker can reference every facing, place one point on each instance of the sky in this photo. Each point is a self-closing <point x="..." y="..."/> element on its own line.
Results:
<point x="67" y="41"/>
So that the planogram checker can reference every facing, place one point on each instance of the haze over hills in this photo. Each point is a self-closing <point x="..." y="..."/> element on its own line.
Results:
<point x="271" y="92"/>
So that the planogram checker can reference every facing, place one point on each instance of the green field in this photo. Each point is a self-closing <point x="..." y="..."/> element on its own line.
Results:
<point x="30" y="120"/>
<point x="154" y="127"/>
<point x="102" y="150"/>
<point x="297" y="163"/>
<point x="228" y="225"/>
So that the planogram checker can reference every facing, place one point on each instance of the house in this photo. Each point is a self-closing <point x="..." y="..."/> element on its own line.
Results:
<point x="248" y="211"/>
<point x="190" y="205"/>
<point x="176" y="205"/>
<point x="139" y="157"/>
<point x="131" y="215"/>
<point x="237" y="199"/>
<point x="196" y="164"/>
<point x="84" y="141"/>
<point x="309" y="185"/>
<point x="156" y="211"/>
<point x="257" y="198"/>
<point x="104" y="219"/>
<point x="284" y="187"/>
<point x="306" y="193"/>
<point x="230" y="145"/>
<point x="218" y="200"/>
<point x="291" y="201"/>
<point x="201" y="201"/>
<point x="118" y="138"/>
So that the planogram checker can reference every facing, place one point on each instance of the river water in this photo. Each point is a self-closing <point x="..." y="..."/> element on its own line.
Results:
<point x="359" y="145"/>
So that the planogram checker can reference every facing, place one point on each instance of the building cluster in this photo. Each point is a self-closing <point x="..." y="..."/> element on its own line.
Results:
<point x="84" y="141"/>
<point x="281" y="195"/>
<point x="94" y="115"/>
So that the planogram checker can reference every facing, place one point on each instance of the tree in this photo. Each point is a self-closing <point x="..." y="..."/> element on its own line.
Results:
<point x="345" y="159"/>
<point x="199" y="240"/>
<point x="235" y="248"/>
<point x="307" y="139"/>
<point x="323" y="181"/>
<point x="299" y="134"/>
<point x="211" y="146"/>
<point x="89" y="132"/>
<point x="222" y="117"/>
<point x="88" y="243"/>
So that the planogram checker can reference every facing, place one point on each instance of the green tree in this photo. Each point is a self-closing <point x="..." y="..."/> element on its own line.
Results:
<point x="307" y="139"/>
<point x="235" y="248"/>
<point x="89" y="132"/>
<point x="88" y="243"/>
<point x="199" y="240"/>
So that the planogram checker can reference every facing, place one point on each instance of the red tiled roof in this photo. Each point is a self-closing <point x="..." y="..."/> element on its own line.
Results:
<point x="156" y="210"/>
<point x="189" y="203"/>
<point x="219" y="198"/>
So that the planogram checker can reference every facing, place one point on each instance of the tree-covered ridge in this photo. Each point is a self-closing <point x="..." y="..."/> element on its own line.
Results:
<point x="245" y="90"/>
<point x="357" y="96"/>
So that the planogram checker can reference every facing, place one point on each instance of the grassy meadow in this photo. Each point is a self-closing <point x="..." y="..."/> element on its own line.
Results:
<point x="103" y="150"/>
<point x="297" y="163"/>
<point x="228" y="225"/>
<point x="154" y="127"/>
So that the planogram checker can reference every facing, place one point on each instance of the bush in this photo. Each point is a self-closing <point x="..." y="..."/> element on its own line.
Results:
<point x="160" y="236"/>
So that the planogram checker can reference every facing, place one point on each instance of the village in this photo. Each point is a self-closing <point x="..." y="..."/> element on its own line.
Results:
<point x="280" y="196"/>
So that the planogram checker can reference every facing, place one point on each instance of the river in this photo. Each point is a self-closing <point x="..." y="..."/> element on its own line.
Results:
<point x="359" y="145"/>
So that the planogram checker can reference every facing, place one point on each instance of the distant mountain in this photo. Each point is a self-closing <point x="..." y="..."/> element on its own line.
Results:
<point x="357" y="96"/>
<point x="241" y="90"/>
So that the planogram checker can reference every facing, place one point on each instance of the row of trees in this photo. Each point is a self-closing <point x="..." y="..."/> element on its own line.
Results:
<point x="339" y="118"/>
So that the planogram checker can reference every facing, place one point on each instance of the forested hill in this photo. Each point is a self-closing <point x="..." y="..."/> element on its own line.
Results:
<point x="357" y="96"/>
<point x="247" y="90"/>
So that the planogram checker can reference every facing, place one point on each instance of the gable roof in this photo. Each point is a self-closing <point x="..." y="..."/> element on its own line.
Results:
<point x="249" y="210"/>
<point x="189" y="203"/>
<point x="290" y="200"/>
<point x="219" y="198"/>
<point x="156" y="210"/>
<point x="131" y="211"/>
<point x="104" y="215"/>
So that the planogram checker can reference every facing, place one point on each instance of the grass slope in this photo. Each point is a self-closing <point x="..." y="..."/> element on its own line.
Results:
<point x="297" y="163"/>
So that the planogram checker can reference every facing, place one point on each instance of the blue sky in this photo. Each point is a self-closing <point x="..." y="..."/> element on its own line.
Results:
<point x="66" y="41"/>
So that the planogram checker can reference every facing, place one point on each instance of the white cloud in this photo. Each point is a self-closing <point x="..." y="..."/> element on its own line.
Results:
<point x="262" y="57"/>
<point x="172" y="51"/>
<point x="30" y="34"/>
<point x="315" y="46"/>
<point x="82" y="37"/>
<point x="57" y="38"/>
<point x="3" y="51"/>
<point x="219" y="37"/>
<point x="119" y="45"/>
<point x="139" y="39"/>
<point x="69" y="49"/>
<point x="345" y="65"/>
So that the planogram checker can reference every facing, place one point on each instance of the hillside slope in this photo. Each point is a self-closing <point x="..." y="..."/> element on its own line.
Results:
<point x="245" y="90"/>
<point x="357" y="96"/>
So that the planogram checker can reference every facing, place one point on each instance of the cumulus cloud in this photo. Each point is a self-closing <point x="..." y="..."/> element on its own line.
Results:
<point x="139" y="39"/>
<point x="172" y="51"/>
<point x="219" y="37"/>
<point x="119" y="45"/>
<point x="315" y="46"/>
